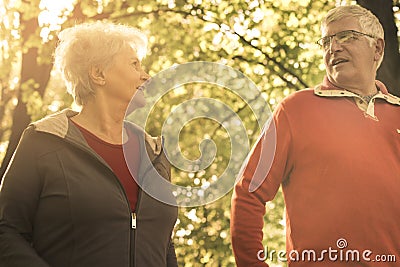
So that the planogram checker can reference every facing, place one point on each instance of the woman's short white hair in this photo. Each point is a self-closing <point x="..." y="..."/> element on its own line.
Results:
<point x="369" y="23"/>
<point x="92" y="44"/>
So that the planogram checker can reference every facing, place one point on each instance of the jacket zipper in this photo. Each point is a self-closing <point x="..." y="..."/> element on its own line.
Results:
<point x="134" y="228"/>
<point x="134" y="220"/>
<point x="131" y="224"/>
<point x="123" y="192"/>
<point x="131" y="216"/>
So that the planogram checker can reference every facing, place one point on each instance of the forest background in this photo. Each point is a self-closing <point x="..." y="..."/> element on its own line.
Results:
<point x="271" y="41"/>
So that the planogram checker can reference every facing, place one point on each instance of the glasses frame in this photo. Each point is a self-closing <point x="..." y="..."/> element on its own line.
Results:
<point x="330" y="37"/>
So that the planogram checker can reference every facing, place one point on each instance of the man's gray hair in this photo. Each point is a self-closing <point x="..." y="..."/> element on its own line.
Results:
<point x="369" y="23"/>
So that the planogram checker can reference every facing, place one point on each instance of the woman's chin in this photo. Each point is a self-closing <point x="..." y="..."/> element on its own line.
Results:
<point x="135" y="104"/>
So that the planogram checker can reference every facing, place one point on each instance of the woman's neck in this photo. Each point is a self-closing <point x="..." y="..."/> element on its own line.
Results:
<point x="104" y="121"/>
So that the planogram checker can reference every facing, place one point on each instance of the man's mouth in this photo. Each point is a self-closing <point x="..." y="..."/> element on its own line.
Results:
<point x="338" y="61"/>
<point x="141" y="88"/>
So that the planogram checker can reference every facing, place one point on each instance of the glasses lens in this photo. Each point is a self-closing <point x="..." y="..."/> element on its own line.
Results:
<point x="343" y="37"/>
<point x="340" y="37"/>
<point x="325" y="41"/>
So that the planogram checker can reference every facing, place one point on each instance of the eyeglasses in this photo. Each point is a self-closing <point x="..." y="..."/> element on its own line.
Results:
<point x="342" y="38"/>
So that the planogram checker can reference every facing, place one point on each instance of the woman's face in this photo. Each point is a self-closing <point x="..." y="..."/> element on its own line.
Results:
<point x="124" y="77"/>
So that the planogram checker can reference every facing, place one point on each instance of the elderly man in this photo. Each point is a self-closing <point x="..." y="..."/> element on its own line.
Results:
<point x="337" y="157"/>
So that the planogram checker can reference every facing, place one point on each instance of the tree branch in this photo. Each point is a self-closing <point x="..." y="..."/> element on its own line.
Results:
<point x="242" y="39"/>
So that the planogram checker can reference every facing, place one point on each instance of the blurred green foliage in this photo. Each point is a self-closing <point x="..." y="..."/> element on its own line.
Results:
<point x="271" y="41"/>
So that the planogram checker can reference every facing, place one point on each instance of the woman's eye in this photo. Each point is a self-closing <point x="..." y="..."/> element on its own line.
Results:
<point x="136" y="64"/>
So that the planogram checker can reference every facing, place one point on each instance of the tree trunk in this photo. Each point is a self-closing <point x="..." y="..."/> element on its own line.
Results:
<point x="39" y="73"/>
<point x="30" y="70"/>
<point x="389" y="72"/>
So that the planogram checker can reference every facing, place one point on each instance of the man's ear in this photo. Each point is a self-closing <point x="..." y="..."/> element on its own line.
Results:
<point x="379" y="48"/>
<point x="97" y="75"/>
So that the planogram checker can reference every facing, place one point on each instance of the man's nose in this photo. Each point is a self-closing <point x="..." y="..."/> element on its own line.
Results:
<point x="334" y="45"/>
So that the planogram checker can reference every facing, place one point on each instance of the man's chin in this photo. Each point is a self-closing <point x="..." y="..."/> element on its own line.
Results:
<point x="342" y="76"/>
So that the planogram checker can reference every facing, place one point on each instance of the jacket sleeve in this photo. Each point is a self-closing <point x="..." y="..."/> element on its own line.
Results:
<point x="260" y="178"/>
<point x="171" y="256"/>
<point x="19" y="195"/>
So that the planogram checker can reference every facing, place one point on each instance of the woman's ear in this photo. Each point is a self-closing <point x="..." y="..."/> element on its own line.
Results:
<point x="97" y="75"/>
<point x="379" y="49"/>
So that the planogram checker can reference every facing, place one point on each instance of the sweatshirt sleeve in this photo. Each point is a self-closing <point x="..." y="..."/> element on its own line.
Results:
<point x="19" y="195"/>
<point x="262" y="173"/>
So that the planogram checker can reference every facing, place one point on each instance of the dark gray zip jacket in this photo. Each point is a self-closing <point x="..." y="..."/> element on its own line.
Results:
<point x="62" y="206"/>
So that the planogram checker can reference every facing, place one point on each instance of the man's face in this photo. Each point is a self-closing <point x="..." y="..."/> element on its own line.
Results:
<point x="351" y="64"/>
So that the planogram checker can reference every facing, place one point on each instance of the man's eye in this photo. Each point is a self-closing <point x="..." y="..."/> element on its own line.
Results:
<point x="326" y="41"/>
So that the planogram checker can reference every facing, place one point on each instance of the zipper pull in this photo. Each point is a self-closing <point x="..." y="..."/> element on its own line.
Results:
<point x="133" y="216"/>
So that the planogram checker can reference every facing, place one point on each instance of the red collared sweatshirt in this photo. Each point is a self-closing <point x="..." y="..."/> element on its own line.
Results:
<point x="338" y="162"/>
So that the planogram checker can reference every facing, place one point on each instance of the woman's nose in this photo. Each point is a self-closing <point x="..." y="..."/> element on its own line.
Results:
<point x="144" y="76"/>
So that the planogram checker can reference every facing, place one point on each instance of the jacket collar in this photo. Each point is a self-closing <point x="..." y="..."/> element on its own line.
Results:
<point x="155" y="143"/>
<point x="58" y="124"/>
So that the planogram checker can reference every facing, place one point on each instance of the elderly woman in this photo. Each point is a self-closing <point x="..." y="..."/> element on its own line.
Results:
<point x="68" y="197"/>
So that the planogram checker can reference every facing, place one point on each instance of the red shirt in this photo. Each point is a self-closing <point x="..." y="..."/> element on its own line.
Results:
<point x="339" y="167"/>
<point x="114" y="156"/>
